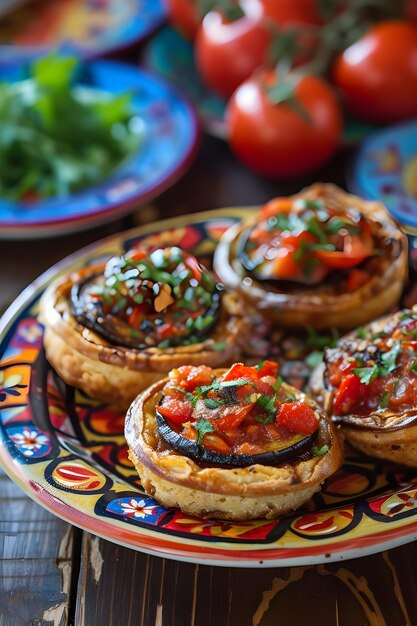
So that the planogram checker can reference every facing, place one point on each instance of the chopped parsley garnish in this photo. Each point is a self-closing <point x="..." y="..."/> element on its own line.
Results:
<point x="389" y="358"/>
<point x="384" y="400"/>
<point x="316" y="340"/>
<point x="407" y="316"/>
<point x="267" y="403"/>
<point x="387" y="363"/>
<point x="413" y="366"/>
<point x="164" y="344"/>
<point x="277" y="384"/>
<point x="315" y="451"/>
<point x="203" y="427"/>
<point x="366" y="374"/>
<point x="362" y="333"/>
<point x="314" y="358"/>
<point x="213" y="403"/>
<point x="219" y="346"/>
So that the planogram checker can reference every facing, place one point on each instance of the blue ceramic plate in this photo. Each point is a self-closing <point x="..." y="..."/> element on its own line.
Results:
<point x="170" y="138"/>
<point x="88" y="28"/>
<point x="385" y="169"/>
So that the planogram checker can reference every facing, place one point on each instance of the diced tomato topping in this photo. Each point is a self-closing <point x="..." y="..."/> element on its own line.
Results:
<point x="166" y="330"/>
<point x="350" y="391"/>
<point x="189" y="377"/>
<point x="356" y="279"/>
<point x="238" y="370"/>
<point x="356" y="248"/>
<point x="275" y="206"/>
<point x="175" y="410"/>
<point x="217" y="444"/>
<point x="338" y="369"/>
<point x="134" y="317"/>
<point x="194" y="266"/>
<point x="297" y="417"/>
<point x="138" y="255"/>
<point x="231" y="417"/>
<point x="268" y="368"/>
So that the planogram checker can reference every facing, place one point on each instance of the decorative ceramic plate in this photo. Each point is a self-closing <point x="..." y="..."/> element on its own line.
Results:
<point x="89" y="28"/>
<point x="169" y="138"/>
<point x="68" y="453"/>
<point x="385" y="168"/>
<point x="170" y="55"/>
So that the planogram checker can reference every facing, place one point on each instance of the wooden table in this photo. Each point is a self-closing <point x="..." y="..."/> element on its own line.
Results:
<point x="53" y="574"/>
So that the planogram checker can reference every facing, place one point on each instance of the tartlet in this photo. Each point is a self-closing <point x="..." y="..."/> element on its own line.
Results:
<point x="236" y="445"/>
<point x="114" y="328"/>
<point x="368" y="384"/>
<point x="320" y="258"/>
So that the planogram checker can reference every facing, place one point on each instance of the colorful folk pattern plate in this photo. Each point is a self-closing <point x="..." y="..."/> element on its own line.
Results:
<point x="169" y="139"/>
<point x="88" y="28"/>
<point x="68" y="453"/>
<point x="385" y="169"/>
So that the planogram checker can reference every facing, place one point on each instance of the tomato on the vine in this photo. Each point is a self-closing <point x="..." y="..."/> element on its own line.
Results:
<point x="378" y="74"/>
<point x="293" y="136"/>
<point x="228" y="50"/>
<point x="184" y="16"/>
<point x="287" y="12"/>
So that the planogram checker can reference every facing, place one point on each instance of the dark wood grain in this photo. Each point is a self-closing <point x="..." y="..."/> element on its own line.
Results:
<point x="35" y="561"/>
<point x="119" y="586"/>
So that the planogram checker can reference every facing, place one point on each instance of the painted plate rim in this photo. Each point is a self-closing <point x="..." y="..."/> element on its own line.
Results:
<point x="222" y="553"/>
<point x="24" y="53"/>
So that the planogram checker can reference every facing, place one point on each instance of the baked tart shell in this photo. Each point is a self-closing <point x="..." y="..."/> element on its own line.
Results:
<point x="299" y="308"/>
<point x="390" y="436"/>
<point x="116" y="374"/>
<point x="243" y="493"/>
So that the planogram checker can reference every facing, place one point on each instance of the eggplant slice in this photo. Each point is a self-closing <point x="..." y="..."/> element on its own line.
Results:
<point x="201" y="454"/>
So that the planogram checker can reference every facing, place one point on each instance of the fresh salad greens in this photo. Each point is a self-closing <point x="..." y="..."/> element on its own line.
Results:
<point x="56" y="138"/>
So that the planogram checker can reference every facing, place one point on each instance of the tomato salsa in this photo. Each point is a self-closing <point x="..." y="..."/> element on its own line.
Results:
<point x="244" y="411"/>
<point x="375" y="372"/>
<point x="307" y="241"/>
<point x="149" y="299"/>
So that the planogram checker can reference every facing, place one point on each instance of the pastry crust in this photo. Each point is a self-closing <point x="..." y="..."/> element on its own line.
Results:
<point x="242" y="493"/>
<point x="384" y="434"/>
<point x="311" y="306"/>
<point x="116" y="374"/>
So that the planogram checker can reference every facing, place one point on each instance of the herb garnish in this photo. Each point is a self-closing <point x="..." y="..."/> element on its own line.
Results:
<point x="384" y="400"/>
<point x="387" y="363"/>
<point x="203" y="427"/>
<point x="57" y="138"/>
<point x="315" y="451"/>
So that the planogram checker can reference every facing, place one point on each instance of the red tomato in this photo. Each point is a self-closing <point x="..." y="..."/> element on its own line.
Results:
<point x="378" y="74"/>
<point x="356" y="248"/>
<point x="189" y="377"/>
<point x="175" y="410"/>
<point x="268" y="368"/>
<point x="276" y="206"/>
<point x="350" y="391"/>
<point x="356" y="279"/>
<point x="227" y="52"/>
<point x="285" y="12"/>
<point x="275" y="139"/>
<point x="184" y="16"/>
<point x="238" y="370"/>
<point x="297" y="417"/>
